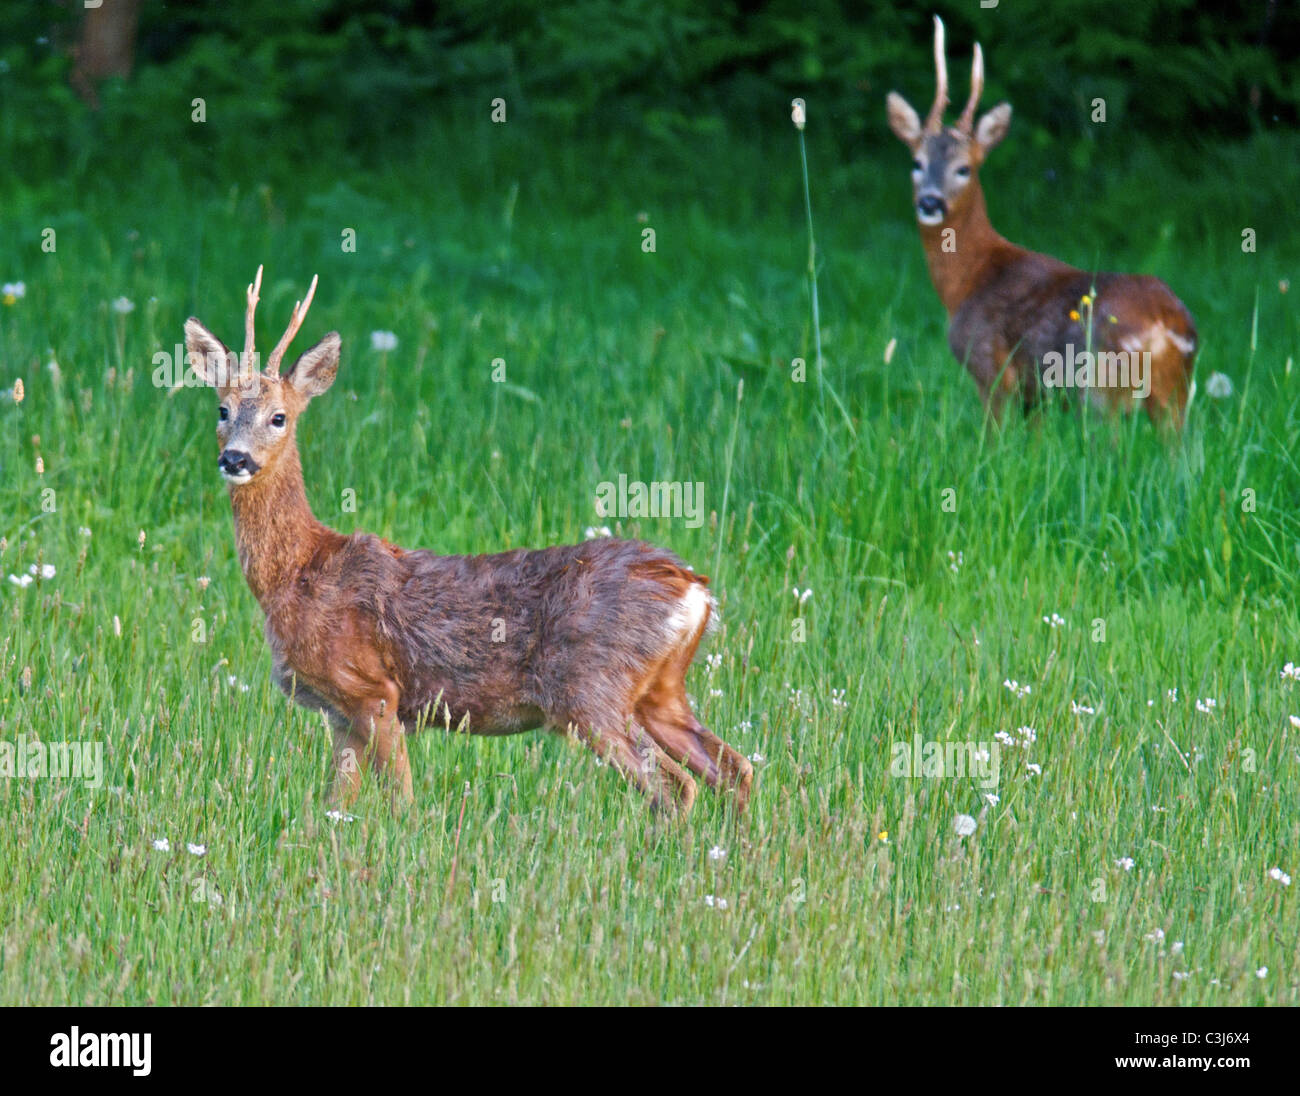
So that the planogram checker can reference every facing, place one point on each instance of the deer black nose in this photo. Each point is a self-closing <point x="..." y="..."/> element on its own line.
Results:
<point x="930" y="205"/>
<point x="235" y="462"/>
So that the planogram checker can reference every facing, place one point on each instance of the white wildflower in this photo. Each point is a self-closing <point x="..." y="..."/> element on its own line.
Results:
<point x="1218" y="386"/>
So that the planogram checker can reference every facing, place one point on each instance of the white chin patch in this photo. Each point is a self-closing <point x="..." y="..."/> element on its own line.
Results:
<point x="242" y="477"/>
<point x="929" y="218"/>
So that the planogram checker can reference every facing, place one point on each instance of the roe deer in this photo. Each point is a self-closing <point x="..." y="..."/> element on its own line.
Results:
<point x="1017" y="318"/>
<point x="592" y="639"/>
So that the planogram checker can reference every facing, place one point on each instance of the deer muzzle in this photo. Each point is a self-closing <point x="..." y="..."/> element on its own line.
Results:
<point x="930" y="208"/>
<point x="237" y="466"/>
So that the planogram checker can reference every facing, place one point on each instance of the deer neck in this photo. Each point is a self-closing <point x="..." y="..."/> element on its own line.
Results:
<point x="275" y="531"/>
<point x="960" y="250"/>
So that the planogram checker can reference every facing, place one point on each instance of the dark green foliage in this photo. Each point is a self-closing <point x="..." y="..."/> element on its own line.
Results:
<point x="341" y="78"/>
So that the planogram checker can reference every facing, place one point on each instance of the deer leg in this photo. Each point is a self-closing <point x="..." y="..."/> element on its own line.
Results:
<point x="384" y="738"/>
<point x="635" y="755"/>
<point x="665" y="711"/>
<point x="349" y="748"/>
<point x="666" y="715"/>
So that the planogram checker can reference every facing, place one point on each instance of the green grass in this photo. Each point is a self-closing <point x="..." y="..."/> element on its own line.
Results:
<point x="844" y="883"/>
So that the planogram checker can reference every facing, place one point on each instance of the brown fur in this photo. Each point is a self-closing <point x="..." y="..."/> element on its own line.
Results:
<point x="1008" y="306"/>
<point x="583" y="639"/>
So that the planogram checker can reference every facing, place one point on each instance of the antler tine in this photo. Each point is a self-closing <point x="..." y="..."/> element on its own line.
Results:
<point x="934" y="120"/>
<point x="967" y="119"/>
<point x="295" y="322"/>
<point x="248" y="318"/>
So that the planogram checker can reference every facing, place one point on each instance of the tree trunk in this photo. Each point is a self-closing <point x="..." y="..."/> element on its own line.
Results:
<point x="105" y="46"/>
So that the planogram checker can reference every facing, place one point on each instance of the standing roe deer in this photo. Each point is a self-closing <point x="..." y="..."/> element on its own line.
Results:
<point x="1009" y="308"/>
<point x="593" y="639"/>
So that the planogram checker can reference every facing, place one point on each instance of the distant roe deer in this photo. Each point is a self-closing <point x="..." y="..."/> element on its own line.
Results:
<point x="592" y="639"/>
<point x="1009" y="308"/>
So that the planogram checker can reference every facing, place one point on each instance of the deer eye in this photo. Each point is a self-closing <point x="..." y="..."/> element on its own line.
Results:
<point x="277" y="420"/>
<point x="963" y="172"/>
<point x="917" y="165"/>
<point x="223" y="412"/>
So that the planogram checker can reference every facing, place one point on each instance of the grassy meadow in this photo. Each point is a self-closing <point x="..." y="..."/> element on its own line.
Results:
<point x="1139" y="590"/>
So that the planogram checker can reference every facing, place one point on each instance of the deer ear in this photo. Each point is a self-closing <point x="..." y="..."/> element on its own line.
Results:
<point x="993" y="126"/>
<point x="315" y="369"/>
<point x="903" y="120"/>
<point x="212" y="361"/>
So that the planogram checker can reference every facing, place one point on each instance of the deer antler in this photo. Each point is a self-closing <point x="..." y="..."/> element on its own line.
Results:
<point x="295" y="322"/>
<point x="248" y="321"/>
<point x="934" y="120"/>
<point x="967" y="118"/>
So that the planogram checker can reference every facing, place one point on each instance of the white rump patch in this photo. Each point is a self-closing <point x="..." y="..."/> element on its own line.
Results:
<point x="690" y="613"/>
<point x="1155" y="338"/>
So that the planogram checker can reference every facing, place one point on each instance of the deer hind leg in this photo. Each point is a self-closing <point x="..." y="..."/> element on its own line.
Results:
<point x="665" y="712"/>
<point x="634" y="754"/>
<point x="1171" y="373"/>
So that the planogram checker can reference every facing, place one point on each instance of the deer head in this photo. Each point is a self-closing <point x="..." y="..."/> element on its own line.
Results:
<point x="946" y="159"/>
<point x="259" y="409"/>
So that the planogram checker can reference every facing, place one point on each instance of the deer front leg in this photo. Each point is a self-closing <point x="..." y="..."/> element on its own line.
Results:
<point x="382" y="738"/>
<point x="349" y="749"/>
